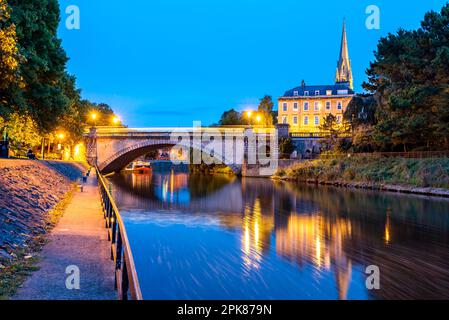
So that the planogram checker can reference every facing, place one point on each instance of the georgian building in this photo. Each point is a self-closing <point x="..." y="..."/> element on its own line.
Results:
<point x="305" y="107"/>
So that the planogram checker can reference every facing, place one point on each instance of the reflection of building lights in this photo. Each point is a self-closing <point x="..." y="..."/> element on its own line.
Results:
<point x="387" y="236"/>
<point x="257" y="230"/>
<point x="256" y="234"/>
<point x="318" y="251"/>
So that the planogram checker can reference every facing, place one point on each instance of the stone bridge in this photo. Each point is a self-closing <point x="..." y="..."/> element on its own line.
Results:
<point x="113" y="148"/>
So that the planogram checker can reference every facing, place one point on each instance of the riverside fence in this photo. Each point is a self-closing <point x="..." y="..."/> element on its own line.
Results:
<point x="126" y="279"/>
<point x="407" y="155"/>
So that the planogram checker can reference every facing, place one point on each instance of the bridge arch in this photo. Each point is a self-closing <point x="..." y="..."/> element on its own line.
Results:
<point x="119" y="160"/>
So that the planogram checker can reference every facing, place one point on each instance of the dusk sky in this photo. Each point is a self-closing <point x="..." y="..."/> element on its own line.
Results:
<point x="170" y="62"/>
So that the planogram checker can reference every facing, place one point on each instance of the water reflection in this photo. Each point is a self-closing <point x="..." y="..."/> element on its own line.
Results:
<point x="203" y="237"/>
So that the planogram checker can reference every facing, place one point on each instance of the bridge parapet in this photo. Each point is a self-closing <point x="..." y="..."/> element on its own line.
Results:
<point x="112" y="148"/>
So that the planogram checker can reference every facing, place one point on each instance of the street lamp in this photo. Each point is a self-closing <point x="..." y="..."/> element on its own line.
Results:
<point x="61" y="137"/>
<point x="94" y="117"/>
<point x="249" y="114"/>
<point x="115" y="120"/>
<point x="258" y="119"/>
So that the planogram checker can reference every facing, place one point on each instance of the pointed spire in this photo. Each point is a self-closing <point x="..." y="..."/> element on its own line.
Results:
<point x="344" y="71"/>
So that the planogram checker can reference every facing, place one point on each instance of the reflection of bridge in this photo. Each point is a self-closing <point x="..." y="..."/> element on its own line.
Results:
<point x="112" y="148"/>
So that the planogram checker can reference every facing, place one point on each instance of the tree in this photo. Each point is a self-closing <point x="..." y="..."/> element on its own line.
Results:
<point x="44" y="72"/>
<point x="22" y="131"/>
<point x="361" y="110"/>
<point x="231" y="118"/>
<point x="335" y="130"/>
<point x="9" y="61"/>
<point x="286" y="147"/>
<point x="265" y="110"/>
<point x="409" y="79"/>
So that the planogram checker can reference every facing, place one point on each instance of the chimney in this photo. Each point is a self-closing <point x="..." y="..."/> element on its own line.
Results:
<point x="303" y="84"/>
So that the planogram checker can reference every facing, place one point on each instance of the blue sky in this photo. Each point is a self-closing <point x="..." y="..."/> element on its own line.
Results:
<point x="170" y="62"/>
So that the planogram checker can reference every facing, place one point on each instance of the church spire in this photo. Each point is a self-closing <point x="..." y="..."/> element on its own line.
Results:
<point x="344" y="71"/>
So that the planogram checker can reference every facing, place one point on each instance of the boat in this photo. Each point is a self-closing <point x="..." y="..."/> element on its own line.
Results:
<point x="140" y="167"/>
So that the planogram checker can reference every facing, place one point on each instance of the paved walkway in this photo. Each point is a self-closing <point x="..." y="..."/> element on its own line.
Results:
<point x="79" y="239"/>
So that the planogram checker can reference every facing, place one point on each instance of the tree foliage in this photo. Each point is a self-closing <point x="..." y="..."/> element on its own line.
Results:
<point x="34" y="83"/>
<point x="44" y="72"/>
<point x="232" y="118"/>
<point x="410" y="82"/>
<point x="265" y="110"/>
<point x="9" y="60"/>
<point x="22" y="130"/>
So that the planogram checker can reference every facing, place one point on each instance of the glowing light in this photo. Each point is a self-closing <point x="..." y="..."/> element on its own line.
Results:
<point x="116" y="120"/>
<point x="259" y="118"/>
<point x="77" y="150"/>
<point x="249" y="114"/>
<point x="94" y="116"/>
<point x="61" y="136"/>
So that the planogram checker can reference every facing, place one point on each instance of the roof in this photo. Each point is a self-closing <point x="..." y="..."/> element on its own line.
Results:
<point x="300" y="91"/>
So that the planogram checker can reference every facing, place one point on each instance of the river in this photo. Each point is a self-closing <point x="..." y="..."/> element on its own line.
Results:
<point x="220" y="237"/>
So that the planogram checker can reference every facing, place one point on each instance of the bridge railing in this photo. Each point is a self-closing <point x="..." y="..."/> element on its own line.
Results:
<point x="126" y="280"/>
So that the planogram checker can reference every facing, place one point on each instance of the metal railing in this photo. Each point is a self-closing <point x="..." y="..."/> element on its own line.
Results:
<point x="126" y="280"/>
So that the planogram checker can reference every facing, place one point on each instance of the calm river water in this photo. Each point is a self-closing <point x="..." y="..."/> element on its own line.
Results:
<point x="218" y="237"/>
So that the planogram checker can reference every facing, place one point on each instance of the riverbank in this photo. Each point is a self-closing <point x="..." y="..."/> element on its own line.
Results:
<point x="420" y="176"/>
<point x="33" y="195"/>
<point x="211" y="169"/>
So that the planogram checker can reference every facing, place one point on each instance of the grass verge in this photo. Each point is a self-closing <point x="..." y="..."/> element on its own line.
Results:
<point x="426" y="173"/>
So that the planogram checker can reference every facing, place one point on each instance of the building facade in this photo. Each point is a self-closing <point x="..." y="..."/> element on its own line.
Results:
<point x="305" y="107"/>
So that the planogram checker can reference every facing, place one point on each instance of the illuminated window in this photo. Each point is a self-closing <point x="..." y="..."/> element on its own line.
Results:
<point x="317" y="106"/>
<point x="339" y="105"/>
<point x="317" y="120"/>
<point x="284" y="107"/>
<point x="306" y="106"/>
<point x="284" y="120"/>
<point x="317" y="92"/>
<point x="295" y="106"/>
<point x="295" y="93"/>
<point x="295" y="120"/>
<point x="306" y="120"/>
<point x="328" y="92"/>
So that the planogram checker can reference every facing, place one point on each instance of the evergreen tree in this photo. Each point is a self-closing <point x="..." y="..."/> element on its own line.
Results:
<point x="410" y="81"/>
